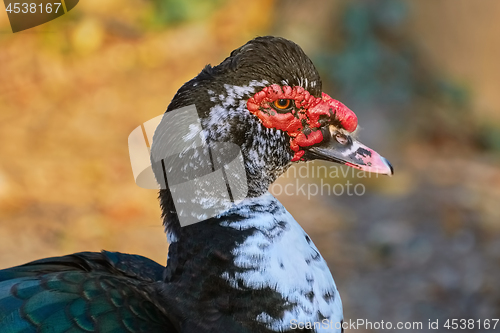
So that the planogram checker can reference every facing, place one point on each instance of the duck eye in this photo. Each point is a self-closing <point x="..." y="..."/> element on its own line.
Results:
<point x="282" y="104"/>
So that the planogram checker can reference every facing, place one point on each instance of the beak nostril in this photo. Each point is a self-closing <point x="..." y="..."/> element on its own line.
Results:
<point x="341" y="138"/>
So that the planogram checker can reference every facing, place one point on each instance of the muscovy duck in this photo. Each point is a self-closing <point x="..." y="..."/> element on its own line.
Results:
<point x="250" y="268"/>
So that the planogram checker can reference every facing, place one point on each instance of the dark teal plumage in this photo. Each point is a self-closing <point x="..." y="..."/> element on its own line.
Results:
<point x="83" y="292"/>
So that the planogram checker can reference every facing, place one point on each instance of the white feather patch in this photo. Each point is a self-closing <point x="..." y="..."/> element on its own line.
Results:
<point x="280" y="255"/>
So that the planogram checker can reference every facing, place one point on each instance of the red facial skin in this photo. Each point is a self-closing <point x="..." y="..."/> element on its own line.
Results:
<point x="308" y="111"/>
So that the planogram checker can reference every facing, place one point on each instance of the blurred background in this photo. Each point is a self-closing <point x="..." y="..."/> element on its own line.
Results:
<point x="422" y="76"/>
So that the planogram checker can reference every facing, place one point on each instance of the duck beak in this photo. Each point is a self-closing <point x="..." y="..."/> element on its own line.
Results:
<point x="342" y="148"/>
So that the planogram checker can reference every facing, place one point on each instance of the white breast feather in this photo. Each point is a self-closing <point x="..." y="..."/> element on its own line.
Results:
<point x="278" y="257"/>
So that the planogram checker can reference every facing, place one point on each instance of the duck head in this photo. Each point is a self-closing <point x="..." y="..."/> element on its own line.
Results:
<point x="265" y="99"/>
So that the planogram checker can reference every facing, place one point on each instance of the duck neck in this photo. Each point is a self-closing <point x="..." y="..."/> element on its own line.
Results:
<point x="241" y="263"/>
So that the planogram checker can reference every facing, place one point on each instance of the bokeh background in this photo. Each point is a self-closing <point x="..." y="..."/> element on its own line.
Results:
<point x="423" y="77"/>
